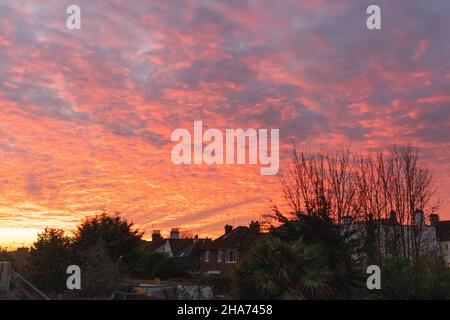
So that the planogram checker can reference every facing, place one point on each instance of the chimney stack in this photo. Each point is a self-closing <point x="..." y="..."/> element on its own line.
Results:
<point x="434" y="219"/>
<point x="174" y="233"/>
<point x="156" y="235"/>
<point x="228" y="228"/>
<point x="419" y="217"/>
<point x="254" y="226"/>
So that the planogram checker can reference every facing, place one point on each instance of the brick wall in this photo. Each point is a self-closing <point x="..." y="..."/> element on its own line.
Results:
<point x="214" y="265"/>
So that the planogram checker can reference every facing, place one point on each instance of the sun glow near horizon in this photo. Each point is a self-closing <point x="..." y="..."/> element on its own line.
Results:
<point x="13" y="238"/>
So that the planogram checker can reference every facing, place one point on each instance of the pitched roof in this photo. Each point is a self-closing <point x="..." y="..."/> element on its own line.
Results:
<point x="239" y="238"/>
<point x="443" y="230"/>
<point x="192" y="249"/>
<point x="155" y="244"/>
<point x="178" y="247"/>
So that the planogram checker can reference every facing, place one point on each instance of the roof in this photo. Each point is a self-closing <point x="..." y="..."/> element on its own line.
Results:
<point x="178" y="247"/>
<point x="155" y="244"/>
<point x="443" y="230"/>
<point x="191" y="249"/>
<point x="239" y="238"/>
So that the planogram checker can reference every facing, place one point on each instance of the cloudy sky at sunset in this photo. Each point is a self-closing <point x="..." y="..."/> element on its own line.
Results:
<point x="86" y="115"/>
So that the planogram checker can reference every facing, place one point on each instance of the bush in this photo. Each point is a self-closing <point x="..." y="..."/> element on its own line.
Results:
<point x="428" y="278"/>
<point x="172" y="267"/>
<point x="146" y="264"/>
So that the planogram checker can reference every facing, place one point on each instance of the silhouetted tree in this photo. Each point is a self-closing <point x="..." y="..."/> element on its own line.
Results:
<point x="48" y="260"/>
<point x="392" y="186"/>
<point x="112" y="232"/>
<point x="341" y="249"/>
<point x="99" y="273"/>
<point x="383" y="189"/>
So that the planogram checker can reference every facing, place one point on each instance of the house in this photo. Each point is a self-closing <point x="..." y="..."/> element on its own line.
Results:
<point x="442" y="236"/>
<point x="432" y="238"/>
<point x="175" y="247"/>
<point x="220" y="257"/>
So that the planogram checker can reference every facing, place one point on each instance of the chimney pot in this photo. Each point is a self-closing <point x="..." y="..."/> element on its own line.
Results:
<point x="156" y="235"/>
<point x="174" y="233"/>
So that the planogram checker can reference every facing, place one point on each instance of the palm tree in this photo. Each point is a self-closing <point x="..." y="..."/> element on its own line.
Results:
<point x="274" y="269"/>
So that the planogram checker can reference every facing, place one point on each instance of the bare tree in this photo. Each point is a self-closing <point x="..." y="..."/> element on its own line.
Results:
<point x="319" y="181"/>
<point x="411" y="193"/>
<point x="387" y="189"/>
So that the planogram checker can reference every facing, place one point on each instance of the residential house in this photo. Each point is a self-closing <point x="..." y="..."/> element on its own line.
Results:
<point x="432" y="238"/>
<point x="220" y="257"/>
<point x="442" y="236"/>
<point x="175" y="247"/>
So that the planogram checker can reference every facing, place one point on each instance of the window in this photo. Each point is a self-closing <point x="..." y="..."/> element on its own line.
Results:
<point x="231" y="256"/>
<point x="206" y="257"/>
<point x="219" y="256"/>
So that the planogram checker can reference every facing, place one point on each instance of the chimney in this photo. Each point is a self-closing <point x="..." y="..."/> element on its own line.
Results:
<point x="174" y="233"/>
<point x="419" y="217"/>
<point x="346" y="220"/>
<point x="434" y="219"/>
<point x="228" y="228"/>
<point x="254" y="226"/>
<point x="156" y="235"/>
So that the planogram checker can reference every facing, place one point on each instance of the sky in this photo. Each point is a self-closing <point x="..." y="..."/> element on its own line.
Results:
<point x="86" y="115"/>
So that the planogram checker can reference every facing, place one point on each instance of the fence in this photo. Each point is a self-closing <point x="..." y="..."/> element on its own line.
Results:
<point x="5" y="279"/>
